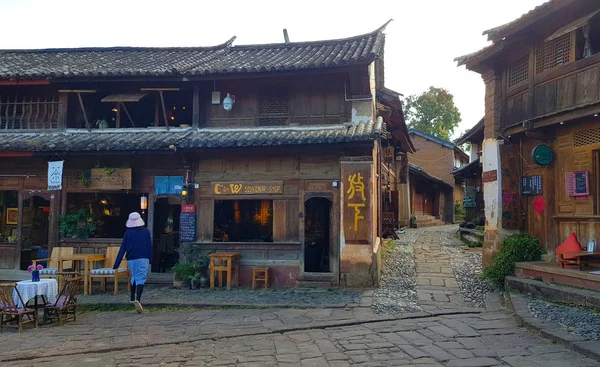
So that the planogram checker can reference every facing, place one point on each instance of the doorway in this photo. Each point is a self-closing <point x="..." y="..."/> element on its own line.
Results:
<point x="317" y="235"/>
<point x="165" y="233"/>
<point x="34" y="229"/>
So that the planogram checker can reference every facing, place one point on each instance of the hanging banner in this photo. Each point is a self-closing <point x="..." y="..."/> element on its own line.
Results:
<point x="55" y="172"/>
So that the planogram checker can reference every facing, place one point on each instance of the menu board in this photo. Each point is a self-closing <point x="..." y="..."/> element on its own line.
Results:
<point x="581" y="183"/>
<point x="187" y="224"/>
<point x="532" y="185"/>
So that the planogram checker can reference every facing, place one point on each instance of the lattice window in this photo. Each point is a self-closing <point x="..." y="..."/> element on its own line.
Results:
<point x="586" y="137"/>
<point x="518" y="71"/>
<point x="553" y="53"/>
<point x="273" y="106"/>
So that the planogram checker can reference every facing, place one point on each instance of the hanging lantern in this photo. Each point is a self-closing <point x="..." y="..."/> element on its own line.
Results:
<point x="143" y="202"/>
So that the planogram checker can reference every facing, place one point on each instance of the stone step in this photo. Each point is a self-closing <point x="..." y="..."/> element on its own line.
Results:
<point x="314" y="284"/>
<point x="555" y="292"/>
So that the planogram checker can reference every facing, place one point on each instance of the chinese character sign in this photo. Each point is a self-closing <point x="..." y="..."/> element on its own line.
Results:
<point x="356" y="202"/>
<point x="55" y="172"/>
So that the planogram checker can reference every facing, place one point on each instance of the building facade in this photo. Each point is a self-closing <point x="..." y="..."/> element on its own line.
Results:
<point x="256" y="149"/>
<point x="437" y="158"/>
<point x="542" y="100"/>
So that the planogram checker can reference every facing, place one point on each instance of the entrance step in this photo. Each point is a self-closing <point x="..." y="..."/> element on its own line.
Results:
<point x="315" y="284"/>
<point x="551" y="272"/>
<point x="159" y="278"/>
<point x="555" y="292"/>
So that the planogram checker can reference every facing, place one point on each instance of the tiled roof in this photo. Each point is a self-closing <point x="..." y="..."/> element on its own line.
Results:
<point x="530" y="16"/>
<point x="435" y="139"/>
<point x="192" y="61"/>
<point x="419" y="171"/>
<point x="162" y="140"/>
<point x="477" y="128"/>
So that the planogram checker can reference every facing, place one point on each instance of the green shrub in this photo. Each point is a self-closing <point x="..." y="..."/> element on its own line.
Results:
<point x="184" y="271"/>
<point x="512" y="250"/>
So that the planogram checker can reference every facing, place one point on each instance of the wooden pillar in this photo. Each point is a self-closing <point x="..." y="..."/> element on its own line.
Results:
<point x="19" y="228"/>
<point x="196" y="108"/>
<point x="62" y="110"/>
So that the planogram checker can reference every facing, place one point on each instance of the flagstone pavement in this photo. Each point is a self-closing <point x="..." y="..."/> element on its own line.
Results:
<point x="445" y="334"/>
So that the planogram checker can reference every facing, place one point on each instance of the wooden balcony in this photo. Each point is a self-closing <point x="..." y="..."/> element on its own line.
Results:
<point x="555" y="91"/>
<point x="29" y="113"/>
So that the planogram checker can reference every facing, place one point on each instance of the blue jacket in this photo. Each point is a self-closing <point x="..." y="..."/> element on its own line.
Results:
<point x="137" y="244"/>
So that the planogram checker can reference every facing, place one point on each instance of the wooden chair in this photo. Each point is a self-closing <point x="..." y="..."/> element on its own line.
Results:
<point x="65" y="306"/>
<point x="52" y="269"/>
<point x="108" y="272"/>
<point x="11" y="313"/>
<point x="260" y="275"/>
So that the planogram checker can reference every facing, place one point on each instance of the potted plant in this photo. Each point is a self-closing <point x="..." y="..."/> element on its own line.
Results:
<point x="202" y="262"/>
<point x="413" y="222"/>
<point x="195" y="280"/>
<point x="182" y="272"/>
<point x="76" y="225"/>
<point x="102" y="124"/>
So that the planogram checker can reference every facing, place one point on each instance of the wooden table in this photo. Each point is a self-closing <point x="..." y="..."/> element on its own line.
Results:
<point x="580" y="258"/>
<point x="87" y="259"/>
<point x="224" y="261"/>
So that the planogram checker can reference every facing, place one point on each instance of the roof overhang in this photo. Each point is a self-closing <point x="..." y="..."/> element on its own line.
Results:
<point x="419" y="171"/>
<point x="396" y="124"/>
<point x="471" y="133"/>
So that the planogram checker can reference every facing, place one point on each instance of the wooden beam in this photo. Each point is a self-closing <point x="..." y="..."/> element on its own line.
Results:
<point x="25" y="82"/>
<point x="128" y="115"/>
<point x="87" y="123"/>
<point x="162" y="102"/>
<point x="156" y="113"/>
<point x="196" y="108"/>
<point x="159" y="89"/>
<point x="76" y="91"/>
<point x="118" y="116"/>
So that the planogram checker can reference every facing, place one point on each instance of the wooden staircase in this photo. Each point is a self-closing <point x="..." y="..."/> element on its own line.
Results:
<point x="428" y="221"/>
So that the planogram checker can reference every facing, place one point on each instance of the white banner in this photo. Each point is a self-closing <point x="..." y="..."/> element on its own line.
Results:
<point x="55" y="172"/>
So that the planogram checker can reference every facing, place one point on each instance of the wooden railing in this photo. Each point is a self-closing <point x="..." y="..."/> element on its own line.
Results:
<point x="29" y="113"/>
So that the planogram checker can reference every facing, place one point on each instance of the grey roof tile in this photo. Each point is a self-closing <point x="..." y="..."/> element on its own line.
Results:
<point x="191" y="61"/>
<point x="162" y="140"/>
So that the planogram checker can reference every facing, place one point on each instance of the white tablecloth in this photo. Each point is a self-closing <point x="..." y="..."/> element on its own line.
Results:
<point x="28" y="290"/>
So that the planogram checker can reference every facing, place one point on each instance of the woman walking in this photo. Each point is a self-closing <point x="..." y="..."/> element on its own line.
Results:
<point x="137" y="249"/>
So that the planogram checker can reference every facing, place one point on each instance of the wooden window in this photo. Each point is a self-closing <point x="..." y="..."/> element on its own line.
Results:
<point x="273" y="106"/>
<point x="243" y="221"/>
<point x="553" y="53"/>
<point x="586" y="137"/>
<point x="518" y="71"/>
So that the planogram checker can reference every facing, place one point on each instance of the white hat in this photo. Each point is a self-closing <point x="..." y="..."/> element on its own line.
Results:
<point x="135" y="220"/>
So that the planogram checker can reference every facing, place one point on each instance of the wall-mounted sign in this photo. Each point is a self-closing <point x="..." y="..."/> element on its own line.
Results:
<point x="531" y="185"/>
<point x="55" y="173"/>
<point x="187" y="223"/>
<point x="254" y="188"/>
<point x="542" y="155"/>
<point x="490" y="176"/>
<point x="577" y="183"/>
<point x="105" y="179"/>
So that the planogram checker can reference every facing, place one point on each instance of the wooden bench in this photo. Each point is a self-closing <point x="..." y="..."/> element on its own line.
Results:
<point x="578" y="258"/>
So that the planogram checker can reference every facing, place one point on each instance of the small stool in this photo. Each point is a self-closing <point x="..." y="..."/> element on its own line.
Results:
<point x="260" y="275"/>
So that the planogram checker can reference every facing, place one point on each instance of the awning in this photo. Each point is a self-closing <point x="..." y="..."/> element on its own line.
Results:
<point x="124" y="97"/>
<point x="572" y="26"/>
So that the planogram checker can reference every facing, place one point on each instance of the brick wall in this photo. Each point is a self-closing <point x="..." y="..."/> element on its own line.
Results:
<point x="433" y="158"/>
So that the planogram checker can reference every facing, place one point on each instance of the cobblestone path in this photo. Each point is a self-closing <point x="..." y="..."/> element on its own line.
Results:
<point x="437" y="287"/>
<point x="439" y="331"/>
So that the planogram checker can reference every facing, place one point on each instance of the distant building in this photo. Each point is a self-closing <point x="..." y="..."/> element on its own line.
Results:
<point x="434" y="161"/>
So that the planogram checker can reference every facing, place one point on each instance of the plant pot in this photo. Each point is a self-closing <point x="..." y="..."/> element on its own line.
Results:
<point x="194" y="283"/>
<point x="203" y="281"/>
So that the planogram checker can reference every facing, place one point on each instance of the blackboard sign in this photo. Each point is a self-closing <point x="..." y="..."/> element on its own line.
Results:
<point x="187" y="227"/>
<point x="532" y="185"/>
<point x="581" y="183"/>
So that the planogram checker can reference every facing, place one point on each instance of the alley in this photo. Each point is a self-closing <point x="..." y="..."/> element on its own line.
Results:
<point x="440" y="329"/>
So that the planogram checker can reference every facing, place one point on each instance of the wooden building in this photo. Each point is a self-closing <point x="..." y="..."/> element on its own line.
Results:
<point x="541" y="139"/>
<point x="469" y="175"/>
<point x="435" y="158"/>
<point x="259" y="149"/>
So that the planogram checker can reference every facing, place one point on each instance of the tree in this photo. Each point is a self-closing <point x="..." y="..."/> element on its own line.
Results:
<point x="433" y="112"/>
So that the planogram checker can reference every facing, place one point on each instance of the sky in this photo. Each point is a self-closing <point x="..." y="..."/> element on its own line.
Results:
<point x="421" y="42"/>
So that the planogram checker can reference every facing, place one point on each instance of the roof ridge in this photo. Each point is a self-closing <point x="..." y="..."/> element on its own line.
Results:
<point x="378" y="31"/>
<point x="223" y="45"/>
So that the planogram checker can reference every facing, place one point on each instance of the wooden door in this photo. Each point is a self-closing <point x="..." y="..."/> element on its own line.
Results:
<point x="428" y="204"/>
<point x="418" y="204"/>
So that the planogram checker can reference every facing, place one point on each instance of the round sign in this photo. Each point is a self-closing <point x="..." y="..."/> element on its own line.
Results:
<point x="543" y="155"/>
